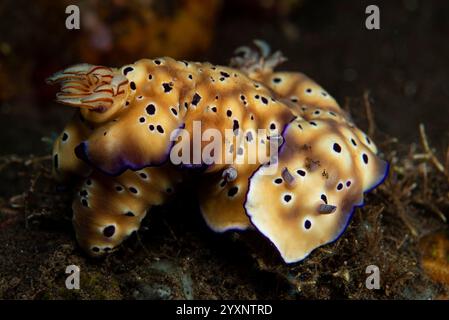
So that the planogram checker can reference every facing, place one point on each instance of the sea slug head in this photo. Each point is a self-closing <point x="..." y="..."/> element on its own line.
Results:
<point x="100" y="92"/>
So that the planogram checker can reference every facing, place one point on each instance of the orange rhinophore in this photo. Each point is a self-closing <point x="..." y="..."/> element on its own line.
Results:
<point x="273" y="150"/>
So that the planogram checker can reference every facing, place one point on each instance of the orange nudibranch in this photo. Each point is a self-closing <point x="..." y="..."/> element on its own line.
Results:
<point x="132" y="120"/>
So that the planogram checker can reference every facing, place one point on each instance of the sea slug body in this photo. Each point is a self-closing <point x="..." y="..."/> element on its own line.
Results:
<point x="119" y="147"/>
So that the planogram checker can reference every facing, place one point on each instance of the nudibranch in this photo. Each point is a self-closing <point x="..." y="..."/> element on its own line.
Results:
<point x="131" y="144"/>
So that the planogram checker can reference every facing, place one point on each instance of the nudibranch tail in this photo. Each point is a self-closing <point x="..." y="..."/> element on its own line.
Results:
<point x="99" y="92"/>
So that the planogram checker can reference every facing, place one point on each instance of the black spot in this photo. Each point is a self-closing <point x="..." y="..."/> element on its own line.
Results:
<point x="324" y="198"/>
<point x="233" y="191"/>
<point x="235" y="127"/>
<point x="307" y="224"/>
<point x="130" y="214"/>
<point x="222" y="79"/>
<point x="353" y="142"/>
<point x="65" y="136"/>
<point x="317" y="112"/>
<point x="277" y="80"/>
<point x="127" y="103"/>
<point x="222" y="183"/>
<point x="249" y="137"/>
<point x="190" y="77"/>
<point x="158" y="62"/>
<point x="151" y="127"/>
<point x="143" y="175"/>
<point x="287" y="198"/>
<point x="150" y="77"/>
<point x="337" y="148"/>
<point x="118" y="188"/>
<point x="299" y="126"/>
<point x="368" y="140"/>
<point x="308" y="90"/>
<point x="257" y="96"/>
<point x="132" y="85"/>
<point x="196" y="99"/>
<point x="340" y="186"/>
<point x="278" y="180"/>
<point x="242" y="97"/>
<point x="186" y="105"/>
<point x="224" y="74"/>
<point x="214" y="109"/>
<point x="96" y="249"/>
<point x="294" y="99"/>
<point x="141" y="119"/>
<point x="109" y="231"/>
<point x="173" y="110"/>
<point x="84" y="202"/>
<point x="273" y="126"/>
<point x="252" y="117"/>
<point x="365" y="158"/>
<point x="127" y="70"/>
<point x="89" y="182"/>
<point x="151" y="109"/>
<point x="302" y="173"/>
<point x="132" y="190"/>
<point x="348" y="183"/>
<point x="83" y="193"/>
<point x="229" y="113"/>
<point x="332" y="113"/>
<point x="55" y="161"/>
<point x="313" y="123"/>
<point x="167" y="87"/>
<point x="160" y="129"/>
<point x="264" y="100"/>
